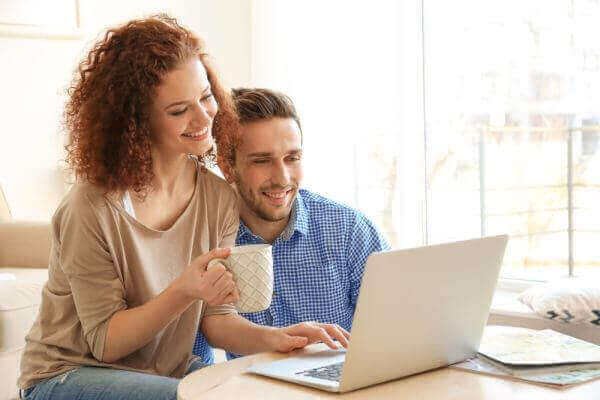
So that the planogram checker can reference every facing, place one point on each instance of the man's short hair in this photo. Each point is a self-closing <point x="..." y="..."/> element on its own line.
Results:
<point x="252" y="105"/>
<point x="263" y="104"/>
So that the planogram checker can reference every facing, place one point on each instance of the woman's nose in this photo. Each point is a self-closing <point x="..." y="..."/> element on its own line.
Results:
<point x="201" y="116"/>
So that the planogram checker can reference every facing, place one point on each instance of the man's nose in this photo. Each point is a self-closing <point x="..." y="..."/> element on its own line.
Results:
<point x="281" y="174"/>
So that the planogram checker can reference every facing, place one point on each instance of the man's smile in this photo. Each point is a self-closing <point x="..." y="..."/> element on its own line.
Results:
<point x="278" y="197"/>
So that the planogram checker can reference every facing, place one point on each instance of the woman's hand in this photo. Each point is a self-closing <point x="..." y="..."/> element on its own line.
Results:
<point x="300" y="335"/>
<point x="215" y="286"/>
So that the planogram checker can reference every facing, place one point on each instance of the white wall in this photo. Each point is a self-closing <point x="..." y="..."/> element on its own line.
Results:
<point x="34" y="73"/>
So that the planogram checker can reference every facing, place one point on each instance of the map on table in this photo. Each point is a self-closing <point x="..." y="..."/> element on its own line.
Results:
<point x="521" y="347"/>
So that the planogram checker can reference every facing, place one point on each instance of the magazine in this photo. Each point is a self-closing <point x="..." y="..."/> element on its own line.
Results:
<point x="520" y="347"/>
<point x="566" y="379"/>
<point x="544" y="357"/>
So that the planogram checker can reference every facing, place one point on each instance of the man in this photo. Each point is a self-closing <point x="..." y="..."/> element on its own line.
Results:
<point x="319" y="246"/>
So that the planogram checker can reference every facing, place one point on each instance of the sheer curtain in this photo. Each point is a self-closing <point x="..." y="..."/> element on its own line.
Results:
<point x="353" y="70"/>
<point x="450" y="120"/>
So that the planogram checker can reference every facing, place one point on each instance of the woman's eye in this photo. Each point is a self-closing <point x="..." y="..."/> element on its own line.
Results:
<point x="178" y="112"/>
<point x="207" y="97"/>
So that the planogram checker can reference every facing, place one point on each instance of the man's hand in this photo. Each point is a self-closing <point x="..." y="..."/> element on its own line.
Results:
<point x="300" y="335"/>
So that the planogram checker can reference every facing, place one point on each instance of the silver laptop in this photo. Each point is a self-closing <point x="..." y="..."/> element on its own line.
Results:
<point x="418" y="309"/>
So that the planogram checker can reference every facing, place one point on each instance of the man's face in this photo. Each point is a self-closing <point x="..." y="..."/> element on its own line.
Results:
<point x="268" y="168"/>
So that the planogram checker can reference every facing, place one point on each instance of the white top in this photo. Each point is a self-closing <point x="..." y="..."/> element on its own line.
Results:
<point x="128" y="205"/>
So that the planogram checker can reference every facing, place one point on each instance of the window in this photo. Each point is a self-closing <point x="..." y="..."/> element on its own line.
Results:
<point x="450" y="120"/>
<point x="512" y="109"/>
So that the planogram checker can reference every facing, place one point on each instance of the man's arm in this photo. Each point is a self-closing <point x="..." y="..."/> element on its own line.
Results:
<point x="236" y="334"/>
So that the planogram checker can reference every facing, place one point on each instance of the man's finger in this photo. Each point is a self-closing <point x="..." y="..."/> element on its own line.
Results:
<point x="345" y="332"/>
<point x="324" y="337"/>
<point x="297" y="342"/>
<point x="336" y="333"/>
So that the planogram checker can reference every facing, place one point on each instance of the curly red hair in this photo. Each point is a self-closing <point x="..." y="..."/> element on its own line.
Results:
<point x="107" y="112"/>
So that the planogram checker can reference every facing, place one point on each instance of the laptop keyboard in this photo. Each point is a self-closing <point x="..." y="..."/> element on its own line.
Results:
<point x="331" y="372"/>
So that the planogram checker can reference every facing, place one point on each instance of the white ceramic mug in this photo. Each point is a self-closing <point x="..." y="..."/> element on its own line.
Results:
<point x="252" y="269"/>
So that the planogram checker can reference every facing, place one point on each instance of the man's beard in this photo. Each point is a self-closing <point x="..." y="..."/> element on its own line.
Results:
<point x="253" y="201"/>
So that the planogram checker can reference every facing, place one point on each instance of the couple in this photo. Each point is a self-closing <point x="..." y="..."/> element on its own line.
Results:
<point x="128" y="289"/>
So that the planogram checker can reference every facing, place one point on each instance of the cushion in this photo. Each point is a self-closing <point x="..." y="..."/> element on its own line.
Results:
<point x="572" y="301"/>
<point x="19" y="303"/>
<point x="35" y="275"/>
<point x="20" y="295"/>
<point x="9" y="365"/>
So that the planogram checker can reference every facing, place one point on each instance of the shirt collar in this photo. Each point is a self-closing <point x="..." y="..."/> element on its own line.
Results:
<point x="298" y="221"/>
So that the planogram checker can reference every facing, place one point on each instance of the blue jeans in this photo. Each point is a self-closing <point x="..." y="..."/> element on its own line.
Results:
<point x="94" y="383"/>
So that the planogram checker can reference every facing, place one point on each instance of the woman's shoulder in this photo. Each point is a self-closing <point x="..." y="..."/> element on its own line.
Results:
<point x="83" y="201"/>
<point x="215" y="187"/>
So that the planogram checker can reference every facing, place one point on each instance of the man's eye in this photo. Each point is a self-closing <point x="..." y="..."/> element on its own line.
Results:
<point x="294" y="159"/>
<point x="260" y="161"/>
<point x="207" y="97"/>
<point x="178" y="112"/>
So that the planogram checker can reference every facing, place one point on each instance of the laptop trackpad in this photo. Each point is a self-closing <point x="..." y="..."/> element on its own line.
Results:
<point x="300" y="363"/>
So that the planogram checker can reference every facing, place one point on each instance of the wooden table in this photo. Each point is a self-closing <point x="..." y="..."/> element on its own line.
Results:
<point x="229" y="381"/>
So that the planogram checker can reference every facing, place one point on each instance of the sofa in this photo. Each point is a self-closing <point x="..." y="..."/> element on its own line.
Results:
<point x="24" y="252"/>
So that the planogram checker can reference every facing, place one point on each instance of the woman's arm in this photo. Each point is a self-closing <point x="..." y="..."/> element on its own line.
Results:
<point x="129" y="330"/>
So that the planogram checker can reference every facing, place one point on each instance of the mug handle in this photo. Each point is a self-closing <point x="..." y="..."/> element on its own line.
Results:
<point x="214" y="262"/>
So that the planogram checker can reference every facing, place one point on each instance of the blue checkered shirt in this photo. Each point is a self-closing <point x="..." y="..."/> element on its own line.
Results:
<point x="318" y="263"/>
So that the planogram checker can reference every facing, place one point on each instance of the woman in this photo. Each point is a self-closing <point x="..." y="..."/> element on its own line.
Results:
<point x="128" y="284"/>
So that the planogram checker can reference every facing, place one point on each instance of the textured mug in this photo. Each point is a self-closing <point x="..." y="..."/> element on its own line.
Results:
<point x="252" y="269"/>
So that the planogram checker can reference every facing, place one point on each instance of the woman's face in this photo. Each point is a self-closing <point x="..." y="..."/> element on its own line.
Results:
<point x="182" y="113"/>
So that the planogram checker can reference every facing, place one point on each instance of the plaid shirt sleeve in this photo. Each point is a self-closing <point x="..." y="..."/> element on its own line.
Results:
<point x="363" y="239"/>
